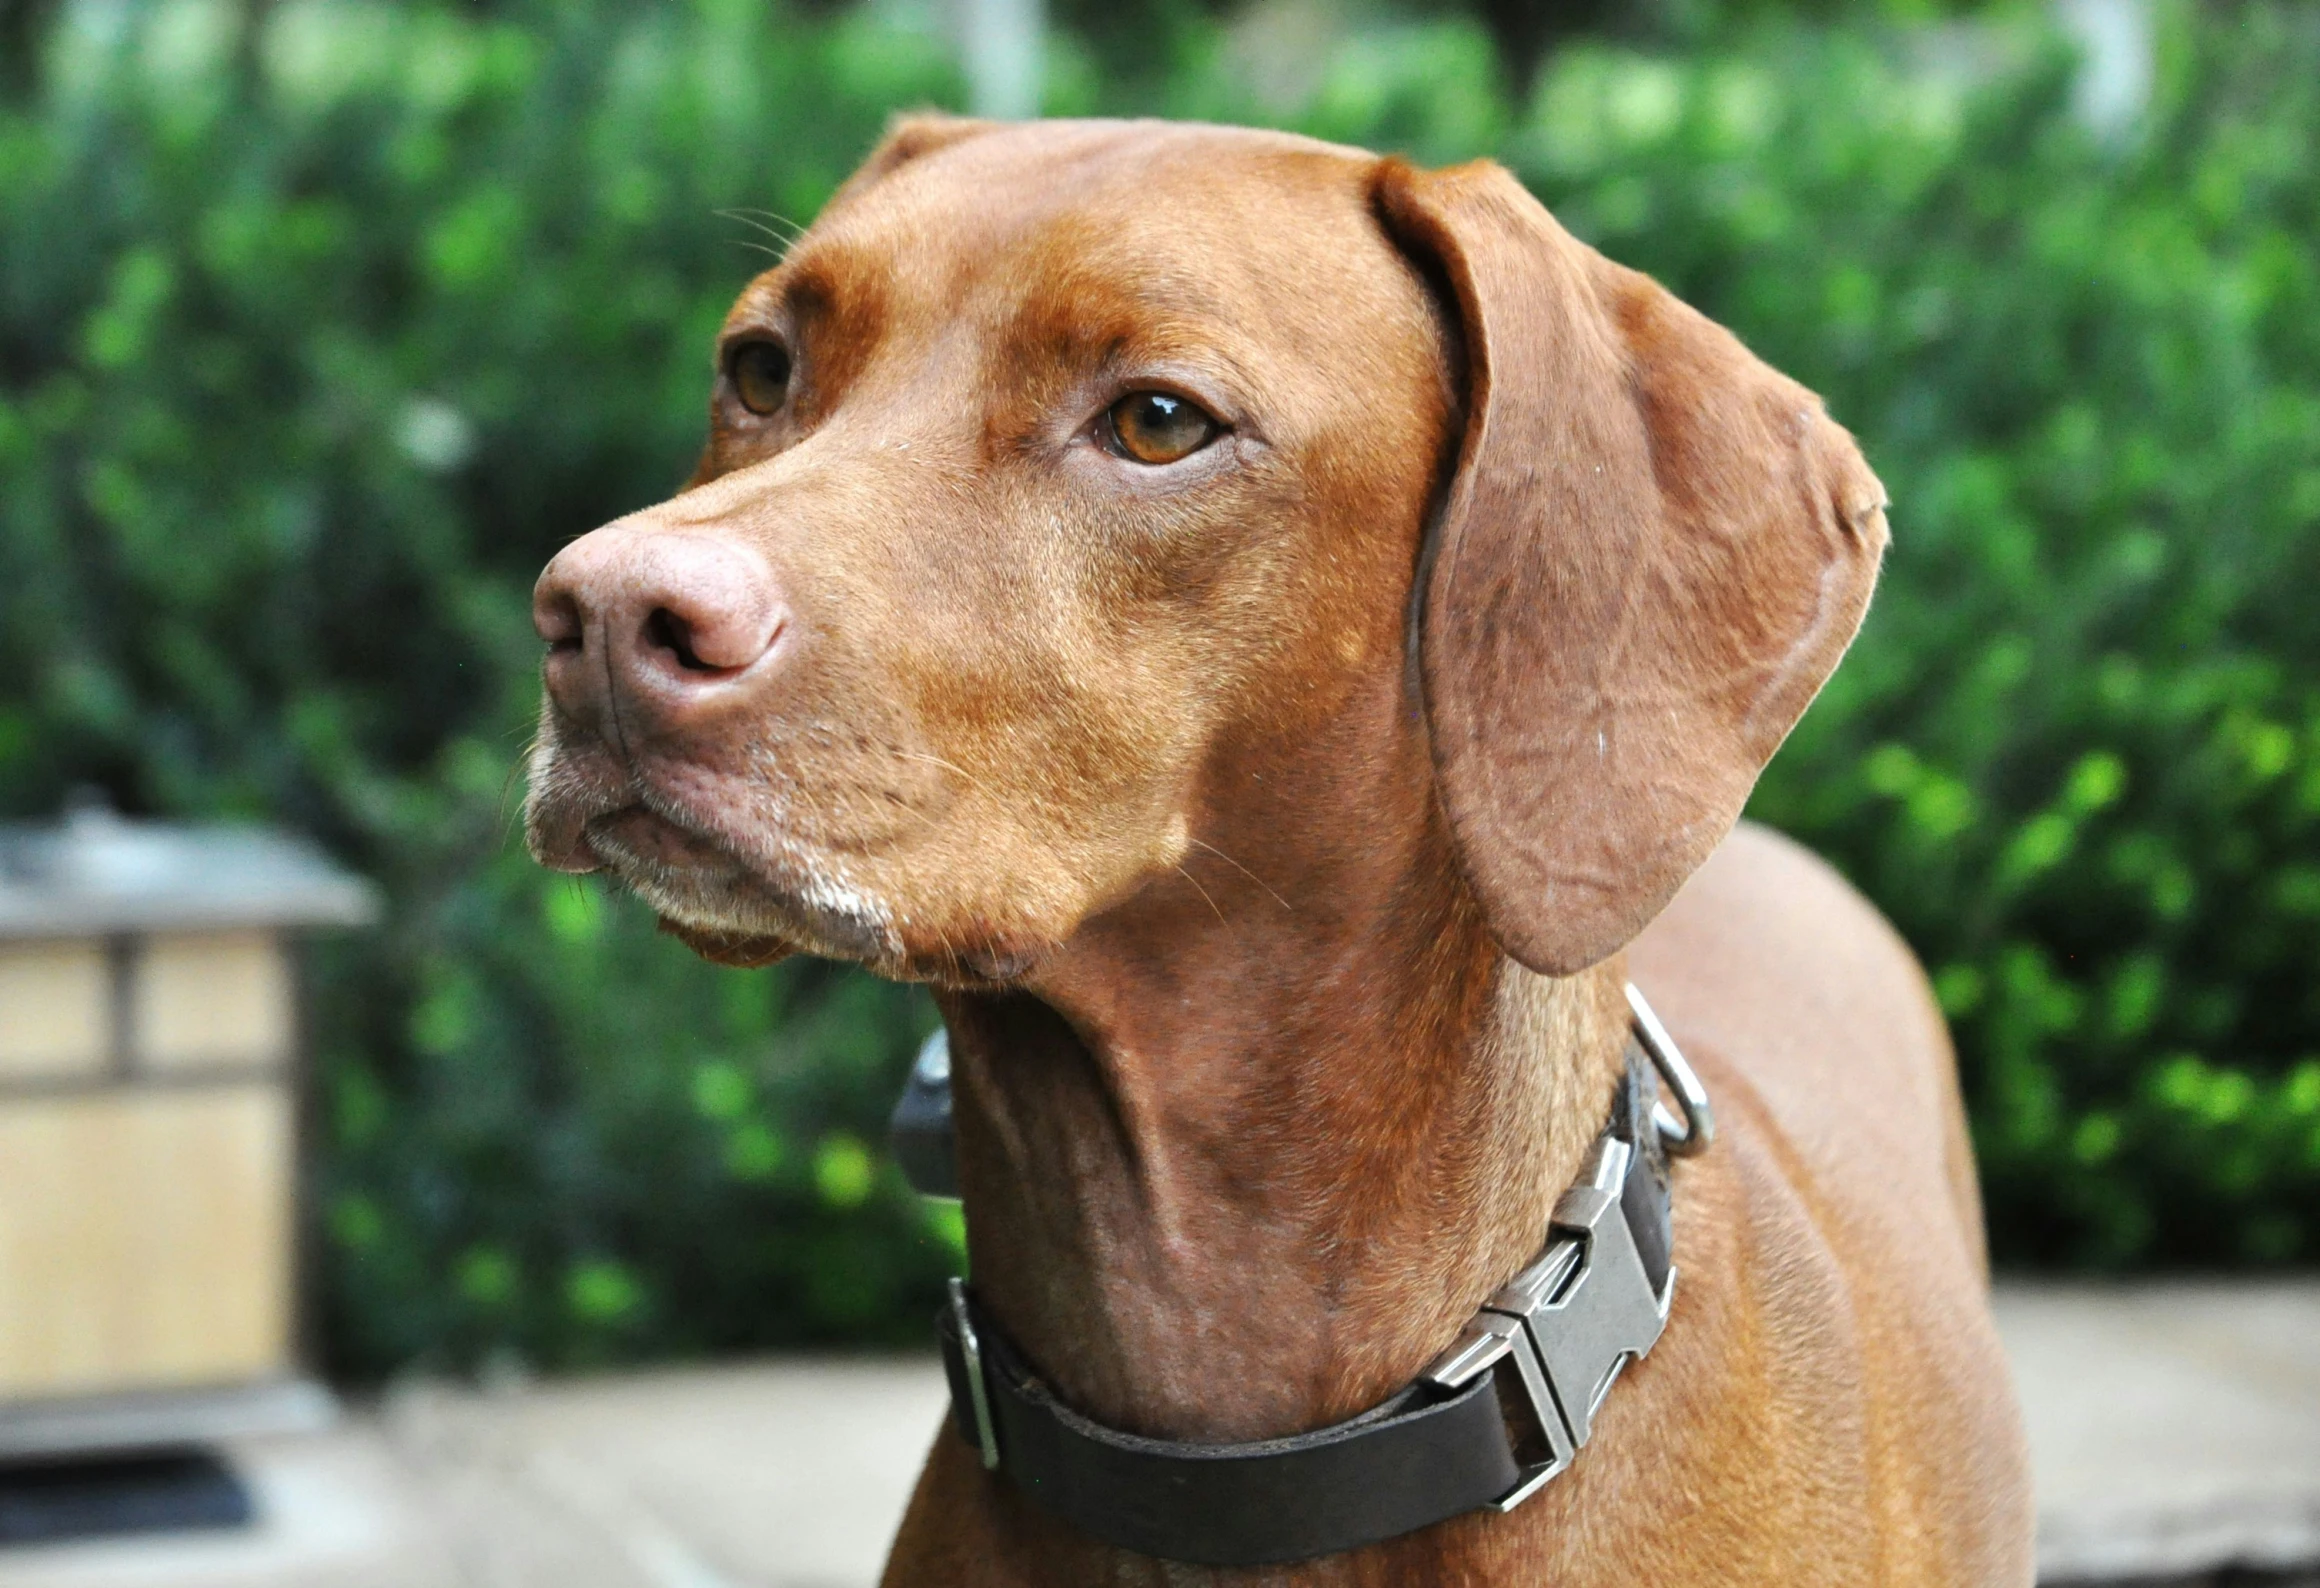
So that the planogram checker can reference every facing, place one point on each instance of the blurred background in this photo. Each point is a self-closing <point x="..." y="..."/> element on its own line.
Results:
<point x="324" y="323"/>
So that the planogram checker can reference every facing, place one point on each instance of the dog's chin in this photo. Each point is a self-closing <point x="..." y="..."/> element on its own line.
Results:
<point x="740" y="950"/>
<point x="735" y="909"/>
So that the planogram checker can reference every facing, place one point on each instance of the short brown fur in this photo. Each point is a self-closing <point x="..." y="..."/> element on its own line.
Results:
<point x="1277" y="863"/>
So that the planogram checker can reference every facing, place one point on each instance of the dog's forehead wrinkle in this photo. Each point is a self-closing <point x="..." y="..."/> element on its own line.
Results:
<point x="1116" y="199"/>
<point x="1017" y="166"/>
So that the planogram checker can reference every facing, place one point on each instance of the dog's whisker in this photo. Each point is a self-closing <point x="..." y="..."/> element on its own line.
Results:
<point x="508" y="780"/>
<point x="1246" y="872"/>
<point x="1197" y="888"/>
<point x="783" y="240"/>
<point x="758" y="217"/>
<point x="948" y="766"/>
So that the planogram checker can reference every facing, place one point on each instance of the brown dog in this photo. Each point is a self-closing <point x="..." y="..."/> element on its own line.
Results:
<point x="1263" y="629"/>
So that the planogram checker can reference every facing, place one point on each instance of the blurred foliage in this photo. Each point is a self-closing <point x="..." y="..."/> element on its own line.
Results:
<point x="316" y="340"/>
<point x="319" y="332"/>
<point x="2076" y="756"/>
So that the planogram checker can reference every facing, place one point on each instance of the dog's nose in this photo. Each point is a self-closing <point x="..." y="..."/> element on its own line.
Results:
<point x="658" y="624"/>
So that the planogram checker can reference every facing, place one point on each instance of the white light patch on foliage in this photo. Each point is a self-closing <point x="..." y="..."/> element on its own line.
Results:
<point x="434" y="435"/>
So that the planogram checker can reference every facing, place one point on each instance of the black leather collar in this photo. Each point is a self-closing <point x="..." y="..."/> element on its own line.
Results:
<point x="1501" y="1411"/>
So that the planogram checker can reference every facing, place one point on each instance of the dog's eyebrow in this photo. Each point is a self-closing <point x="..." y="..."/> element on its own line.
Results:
<point x="831" y="305"/>
<point x="799" y="289"/>
<point x="815" y="284"/>
<point x="1111" y="302"/>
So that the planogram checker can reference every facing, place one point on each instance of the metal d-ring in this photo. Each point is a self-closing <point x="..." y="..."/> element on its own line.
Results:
<point x="1697" y="1129"/>
<point x="978" y="1392"/>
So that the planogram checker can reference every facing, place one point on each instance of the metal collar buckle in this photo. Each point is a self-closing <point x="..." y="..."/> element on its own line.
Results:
<point x="1565" y="1327"/>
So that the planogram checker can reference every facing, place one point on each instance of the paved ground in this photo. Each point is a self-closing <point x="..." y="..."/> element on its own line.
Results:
<point x="2176" y="1428"/>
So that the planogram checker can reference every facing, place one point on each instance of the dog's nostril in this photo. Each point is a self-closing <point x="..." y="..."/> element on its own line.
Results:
<point x="556" y="619"/>
<point x="673" y="634"/>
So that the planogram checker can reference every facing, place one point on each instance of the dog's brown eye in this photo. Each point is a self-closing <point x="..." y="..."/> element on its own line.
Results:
<point x="761" y="375"/>
<point x="1156" y="427"/>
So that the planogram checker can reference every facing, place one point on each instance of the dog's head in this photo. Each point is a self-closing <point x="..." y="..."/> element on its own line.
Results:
<point x="1066" y="477"/>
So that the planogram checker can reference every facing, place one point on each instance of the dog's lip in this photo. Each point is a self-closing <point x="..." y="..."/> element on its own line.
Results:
<point x="657" y="825"/>
<point x="638" y="832"/>
<point x="640" y="839"/>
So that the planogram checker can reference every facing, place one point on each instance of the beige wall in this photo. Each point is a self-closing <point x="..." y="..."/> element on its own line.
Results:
<point x="55" y="1009"/>
<point x="203" y="999"/>
<point x="145" y="1238"/>
<point x="197" y="1000"/>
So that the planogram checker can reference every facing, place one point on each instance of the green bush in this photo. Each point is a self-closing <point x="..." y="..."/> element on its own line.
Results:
<point x="317" y="341"/>
<point x="316" y="338"/>
<point x="2076" y="754"/>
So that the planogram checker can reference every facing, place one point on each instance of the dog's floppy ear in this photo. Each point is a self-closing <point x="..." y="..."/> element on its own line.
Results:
<point x="908" y="136"/>
<point x="1652" y="553"/>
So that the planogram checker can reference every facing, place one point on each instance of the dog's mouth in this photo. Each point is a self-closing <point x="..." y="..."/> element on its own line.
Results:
<point x="743" y="889"/>
<point x="731" y="903"/>
<point x="633" y="837"/>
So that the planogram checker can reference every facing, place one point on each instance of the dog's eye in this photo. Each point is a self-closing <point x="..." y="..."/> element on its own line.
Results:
<point x="1157" y="427"/>
<point x="760" y="373"/>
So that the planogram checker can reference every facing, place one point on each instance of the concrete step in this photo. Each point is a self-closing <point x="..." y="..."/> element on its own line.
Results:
<point x="2176" y="1430"/>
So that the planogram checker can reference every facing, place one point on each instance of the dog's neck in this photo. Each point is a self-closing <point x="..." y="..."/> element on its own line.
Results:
<point x="1255" y="1146"/>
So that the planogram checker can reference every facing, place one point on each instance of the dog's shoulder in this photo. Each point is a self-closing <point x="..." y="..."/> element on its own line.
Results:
<point x="1777" y="974"/>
